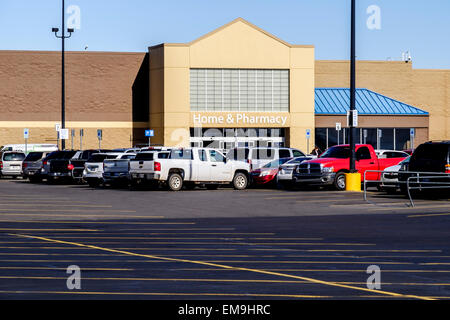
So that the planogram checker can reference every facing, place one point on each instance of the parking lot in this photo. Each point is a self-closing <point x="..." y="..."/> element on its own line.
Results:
<point x="219" y="244"/>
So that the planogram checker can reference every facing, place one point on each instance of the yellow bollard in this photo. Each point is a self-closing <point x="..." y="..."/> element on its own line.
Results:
<point x="353" y="182"/>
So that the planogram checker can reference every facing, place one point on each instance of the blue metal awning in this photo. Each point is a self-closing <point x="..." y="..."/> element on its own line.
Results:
<point x="336" y="101"/>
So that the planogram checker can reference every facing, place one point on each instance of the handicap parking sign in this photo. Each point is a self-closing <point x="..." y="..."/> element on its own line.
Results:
<point x="149" y="133"/>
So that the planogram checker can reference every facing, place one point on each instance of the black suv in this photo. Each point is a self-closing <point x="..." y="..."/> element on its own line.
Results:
<point x="430" y="157"/>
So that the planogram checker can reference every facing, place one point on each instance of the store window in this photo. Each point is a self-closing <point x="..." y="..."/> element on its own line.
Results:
<point x="379" y="138"/>
<point x="239" y="90"/>
<point x="402" y="139"/>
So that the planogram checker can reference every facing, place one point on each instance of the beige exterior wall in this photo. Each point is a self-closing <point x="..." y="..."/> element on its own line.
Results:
<point x="98" y="96"/>
<point x="236" y="45"/>
<point x="428" y="90"/>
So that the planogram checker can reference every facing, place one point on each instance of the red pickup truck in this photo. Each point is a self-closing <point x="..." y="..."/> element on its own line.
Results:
<point x="331" y="166"/>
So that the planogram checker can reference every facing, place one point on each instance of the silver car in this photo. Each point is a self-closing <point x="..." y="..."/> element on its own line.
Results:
<point x="284" y="177"/>
<point x="11" y="163"/>
<point x="93" y="168"/>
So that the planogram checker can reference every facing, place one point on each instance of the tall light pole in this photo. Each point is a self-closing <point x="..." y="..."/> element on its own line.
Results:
<point x="352" y="130"/>
<point x="63" y="85"/>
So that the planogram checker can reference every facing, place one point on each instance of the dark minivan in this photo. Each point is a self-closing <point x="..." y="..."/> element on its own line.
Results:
<point x="430" y="157"/>
<point x="32" y="164"/>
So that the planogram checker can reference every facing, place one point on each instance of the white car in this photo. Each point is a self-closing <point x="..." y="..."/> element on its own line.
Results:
<point x="93" y="168"/>
<point x="388" y="154"/>
<point x="189" y="166"/>
<point x="389" y="178"/>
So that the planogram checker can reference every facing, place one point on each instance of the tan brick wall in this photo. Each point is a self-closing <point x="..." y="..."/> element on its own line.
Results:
<point x="112" y="137"/>
<point x="425" y="89"/>
<point x="98" y="89"/>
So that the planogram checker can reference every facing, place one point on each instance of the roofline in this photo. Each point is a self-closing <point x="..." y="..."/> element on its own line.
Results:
<point x="423" y="112"/>
<point x="71" y="52"/>
<point x="207" y="35"/>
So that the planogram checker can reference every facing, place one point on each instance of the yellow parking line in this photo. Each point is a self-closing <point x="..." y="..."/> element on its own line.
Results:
<point x="170" y="294"/>
<point x="77" y="215"/>
<point x="189" y="233"/>
<point x="380" y="292"/>
<point x="311" y="262"/>
<point x="217" y="280"/>
<point x="410" y="208"/>
<point x="314" y="270"/>
<point x="214" y="261"/>
<point x="122" y="223"/>
<point x="230" y="243"/>
<point x="55" y="268"/>
<point x="53" y="205"/>
<point x="429" y="215"/>
<point x="147" y="249"/>
<point x="370" y="250"/>
<point x="66" y="210"/>
<point x="52" y="230"/>
<point x="41" y="201"/>
<point x="163" y="238"/>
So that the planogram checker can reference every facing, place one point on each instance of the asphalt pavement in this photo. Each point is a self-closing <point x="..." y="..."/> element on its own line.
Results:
<point x="221" y="244"/>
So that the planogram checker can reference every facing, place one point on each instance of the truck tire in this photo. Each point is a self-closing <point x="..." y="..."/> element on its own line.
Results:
<point x="240" y="181"/>
<point x="175" y="182"/>
<point x="339" y="181"/>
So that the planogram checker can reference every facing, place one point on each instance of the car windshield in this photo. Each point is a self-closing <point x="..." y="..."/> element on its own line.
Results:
<point x="14" y="156"/>
<point x="34" y="156"/>
<point x="144" y="156"/>
<point x="276" y="163"/>
<point x="337" y="152"/>
<point x="406" y="161"/>
<point x="100" y="157"/>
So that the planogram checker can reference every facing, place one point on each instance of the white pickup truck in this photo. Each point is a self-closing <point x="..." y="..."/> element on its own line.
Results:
<point x="188" y="166"/>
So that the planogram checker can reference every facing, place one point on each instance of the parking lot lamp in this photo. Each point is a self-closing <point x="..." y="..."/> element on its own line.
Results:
<point x="63" y="36"/>
<point x="352" y="179"/>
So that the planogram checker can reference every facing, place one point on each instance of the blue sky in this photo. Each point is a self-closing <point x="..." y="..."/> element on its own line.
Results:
<point x="120" y="25"/>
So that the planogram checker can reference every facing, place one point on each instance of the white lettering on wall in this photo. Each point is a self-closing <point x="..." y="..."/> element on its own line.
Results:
<point x="239" y="118"/>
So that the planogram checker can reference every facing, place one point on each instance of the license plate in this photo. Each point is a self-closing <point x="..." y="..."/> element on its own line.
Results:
<point x="141" y="175"/>
<point x="31" y="173"/>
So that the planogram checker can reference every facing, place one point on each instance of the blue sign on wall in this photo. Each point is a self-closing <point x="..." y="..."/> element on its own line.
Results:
<point x="149" y="133"/>
<point x="308" y="133"/>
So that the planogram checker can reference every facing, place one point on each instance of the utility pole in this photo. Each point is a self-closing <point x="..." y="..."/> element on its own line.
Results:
<point x="63" y="85"/>
<point x="352" y="89"/>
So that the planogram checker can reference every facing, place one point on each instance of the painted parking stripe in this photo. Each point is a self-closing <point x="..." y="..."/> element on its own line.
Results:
<point x="378" y="292"/>
<point x="429" y="215"/>
<point x="116" y="222"/>
<point x="218" y="280"/>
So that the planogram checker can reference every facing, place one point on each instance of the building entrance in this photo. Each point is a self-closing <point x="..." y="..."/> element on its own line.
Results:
<point x="228" y="138"/>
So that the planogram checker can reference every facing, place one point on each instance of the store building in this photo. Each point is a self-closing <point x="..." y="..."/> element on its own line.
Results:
<point x="235" y="86"/>
<point x="239" y="84"/>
